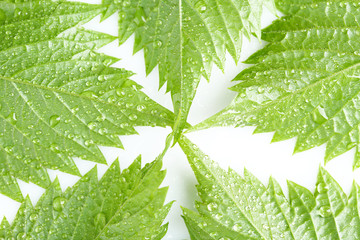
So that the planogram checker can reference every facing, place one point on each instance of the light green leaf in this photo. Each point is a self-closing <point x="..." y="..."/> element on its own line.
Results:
<point x="184" y="38"/>
<point x="305" y="83"/>
<point x="59" y="98"/>
<point x="129" y="205"/>
<point x="235" y="207"/>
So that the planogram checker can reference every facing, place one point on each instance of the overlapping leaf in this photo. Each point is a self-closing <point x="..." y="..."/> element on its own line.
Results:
<point x="184" y="38"/>
<point x="235" y="207"/>
<point x="58" y="98"/>
<point x="305" y="83"/>
<point x="129" y="205"/>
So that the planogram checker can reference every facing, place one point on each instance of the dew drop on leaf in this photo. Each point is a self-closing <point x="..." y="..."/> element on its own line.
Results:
<point x="58" y="203"/>
<point x="89" y="94"/>
<point x="237" y="227"/>
<point x="132" y="117"/>
<point x="140" y="108"/>
<point x="88" y="142"/>
<point x="20" y="236"/>
<point x="101" y="78"/>
<point x="325" y="211"/>
<point x="321" y="188"/>
<point x="92" y="125"/>
<point x="158" y="43"/>
<point x="33" y="217"/>
<point x="54" y="120"/>
<point x="12" y="118"/>
<point x="55" y="148"/>
<point x="212" y="206"/>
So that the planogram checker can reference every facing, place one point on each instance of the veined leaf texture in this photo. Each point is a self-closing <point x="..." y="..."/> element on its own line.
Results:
<point x="305" y="82"/>
<point x="184" y="38"/>
<point x="127" y="205"/>
<point x="236" y="207"/>
<point x="59" y="98"/>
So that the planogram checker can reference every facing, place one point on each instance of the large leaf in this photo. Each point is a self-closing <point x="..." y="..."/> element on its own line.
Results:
<point x="129" y="205"/>
<point x="184" y="38"/>
<point x="59" y="98"/>
<point x="305" y="83"/>
<point x="235" y="207"/>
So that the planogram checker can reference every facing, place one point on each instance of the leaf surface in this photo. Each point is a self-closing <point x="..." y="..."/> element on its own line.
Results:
<point x="184" y="38"/>
<point x="127" y="205"/>
<point x="236" y="207"/>
<point x="305" y="82"/>
<point x="59" y="98"/>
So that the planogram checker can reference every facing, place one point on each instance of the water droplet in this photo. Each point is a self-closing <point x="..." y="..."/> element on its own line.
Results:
<point x="92" y="125"/>
<point x="237" y="227"/>
<point x="17" y="12"/>
<point x="88" y="142"/>
<point x="9" y="149"/>
<point x="140" y="108"/>
<point x="101" y="78"/>
<point x="38" y="229"/>
<point x="202" y="9"/>
<point x="321" y="188"/>
<point x="325" y="211"/>
<point x="317" y="117"/>
<point x="55" y="148"/>
<point x="100" y="220"/>
<point x="158" y="43"/>
<point x="103" y="131"/>
<point x="75" y="109"/>
<point x="58" y="203"/>
<point x="88" y="94"/>
<point x="120" y="92"/>
<point x="261" y="89"/>
<point x="12" y="118"/>
<point x="132" y="117"/>
<point x="20" y="236"/>
<point x="54" y="120"/>
<point x="212" y="206"/>
<point x="107" y="62"/>
<point x="33" y="217"/>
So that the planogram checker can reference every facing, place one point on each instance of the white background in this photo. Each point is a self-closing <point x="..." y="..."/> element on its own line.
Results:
<point x="237" y="148"/>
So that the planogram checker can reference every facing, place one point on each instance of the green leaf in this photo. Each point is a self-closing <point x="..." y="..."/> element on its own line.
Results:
<point x="305" y="83"/>
<point x="59" y="98"/>
<point x="235" y="207"/>
<point x="129" y="205"/>
<point x="185" y="38"/>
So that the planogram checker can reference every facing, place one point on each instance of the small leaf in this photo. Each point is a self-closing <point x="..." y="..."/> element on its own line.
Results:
<point x="235" y="207"/>
<point x="305" y="82"/>
<point x="127" y="205"/>
<point x="185" y="38"/>
<point x="59" y="98"/>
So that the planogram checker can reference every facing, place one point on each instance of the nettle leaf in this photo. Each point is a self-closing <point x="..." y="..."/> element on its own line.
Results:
<point x="235" y="207"/>
<point x="129" y="205"/>
<point x="59" y="98"/>
<point x="184" y="38"/>
<point x="305" y="83"/>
